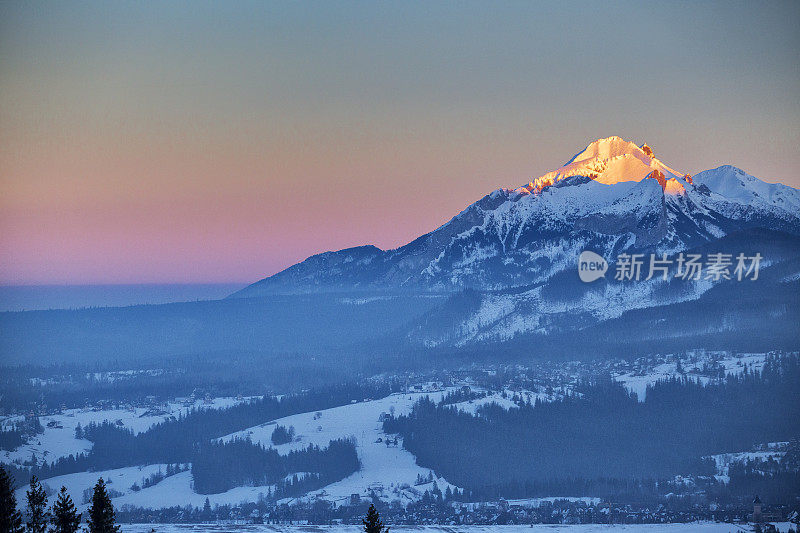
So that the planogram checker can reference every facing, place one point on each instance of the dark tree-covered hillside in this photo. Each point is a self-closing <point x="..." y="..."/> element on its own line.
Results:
<point x="604" y="433"/>
<point x="218" y="467"/>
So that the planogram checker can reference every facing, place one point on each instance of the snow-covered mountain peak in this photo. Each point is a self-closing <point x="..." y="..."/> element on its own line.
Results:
<point x="612" y="196"/>
<point x="607" y="148"/>
<point x="736" y="187"/>
<point x="610" y="160"/>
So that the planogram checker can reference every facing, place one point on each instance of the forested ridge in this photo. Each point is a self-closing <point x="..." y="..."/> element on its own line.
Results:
<point x="603" y="436"/>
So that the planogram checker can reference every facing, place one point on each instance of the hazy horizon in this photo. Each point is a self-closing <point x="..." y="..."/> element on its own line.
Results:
<point x="49" y="297"/>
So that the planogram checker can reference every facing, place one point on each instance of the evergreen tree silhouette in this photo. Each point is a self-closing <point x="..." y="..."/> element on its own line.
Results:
<point x="10" y="518"/>
<point x="64" y="517"/>
<point x="101" y="513"/>
<point x="38" y="516"/>
<point x="372" y="523"/>
<point x="207" y="510"/>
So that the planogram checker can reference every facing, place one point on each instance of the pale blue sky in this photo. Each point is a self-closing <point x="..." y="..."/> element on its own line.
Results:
<point x="239" y="137"/>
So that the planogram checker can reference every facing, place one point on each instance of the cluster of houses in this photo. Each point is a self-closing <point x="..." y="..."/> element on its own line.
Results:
<point x="547" y="511"/>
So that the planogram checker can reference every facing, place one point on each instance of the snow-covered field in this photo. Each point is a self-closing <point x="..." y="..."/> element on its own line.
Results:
<point x="537" y="502"/>
<point x="698" y="527"/>
<point x="60" y="441"/>
<point x="638" y="382"/>
<point x="387" y="470"/>
<point x="118" y="480"/>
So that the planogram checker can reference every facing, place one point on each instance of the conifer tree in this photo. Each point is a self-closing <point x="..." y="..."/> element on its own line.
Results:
<point x="10" y="518"/>
<point x="101" y="513"/>
<point x="372" y="523"/>
<point x="64" y="517"/>
<point x="37" y="508"/>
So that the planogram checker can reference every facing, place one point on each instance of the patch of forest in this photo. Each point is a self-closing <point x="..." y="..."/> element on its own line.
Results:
<point x="15" y="434"/>
<point x="218" y="467"/>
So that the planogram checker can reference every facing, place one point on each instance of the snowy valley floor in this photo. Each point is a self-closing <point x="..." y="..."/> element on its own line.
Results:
<point x="699" y="527"/>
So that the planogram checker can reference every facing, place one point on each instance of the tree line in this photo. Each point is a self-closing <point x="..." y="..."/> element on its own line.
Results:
<point x="61" y="517"/>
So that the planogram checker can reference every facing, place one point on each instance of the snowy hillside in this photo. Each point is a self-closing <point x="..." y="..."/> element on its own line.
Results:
<point x="59" y="438"/>
<point x="387" y="469"/>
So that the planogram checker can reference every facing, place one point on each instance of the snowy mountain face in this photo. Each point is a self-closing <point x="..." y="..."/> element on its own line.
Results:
<point x="613" y="196"/>
<point x="515" y="245"/>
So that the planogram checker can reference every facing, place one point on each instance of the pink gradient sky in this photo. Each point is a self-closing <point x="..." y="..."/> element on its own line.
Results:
<point x="208" y="142"/>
